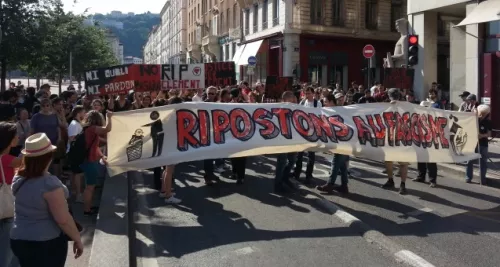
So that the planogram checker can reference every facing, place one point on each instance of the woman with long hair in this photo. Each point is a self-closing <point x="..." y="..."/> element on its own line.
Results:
<point x="23" y="129"/>
<point x="8" y="164"/>
<point x="42" y="221"/>
<point x="94" y="127"/>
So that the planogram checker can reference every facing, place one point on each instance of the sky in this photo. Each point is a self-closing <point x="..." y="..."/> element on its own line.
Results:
<point x="105" y="6"/>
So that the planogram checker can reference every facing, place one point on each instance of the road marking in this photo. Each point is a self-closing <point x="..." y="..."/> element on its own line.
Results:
<point x="244" y="251"/>
<point x="149" y="257"/>
<point x="346" y="217"/>
<point x="418" y="212"/>
<point x="412" y="259"/>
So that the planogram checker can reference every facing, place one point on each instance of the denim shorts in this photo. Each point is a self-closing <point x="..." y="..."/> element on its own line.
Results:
<point x="91" y="170"/>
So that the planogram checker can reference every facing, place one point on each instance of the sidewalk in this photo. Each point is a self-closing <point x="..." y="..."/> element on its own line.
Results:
<point x="493" y="173"/>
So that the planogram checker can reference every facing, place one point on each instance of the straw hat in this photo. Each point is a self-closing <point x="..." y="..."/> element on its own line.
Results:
<point x="37" y="145"/>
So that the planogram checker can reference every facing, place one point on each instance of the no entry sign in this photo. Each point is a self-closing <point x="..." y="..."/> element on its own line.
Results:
<point x="368" y="51"/>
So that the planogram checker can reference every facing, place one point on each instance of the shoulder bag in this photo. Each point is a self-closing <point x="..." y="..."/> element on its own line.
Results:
<point x="6" y="197"/>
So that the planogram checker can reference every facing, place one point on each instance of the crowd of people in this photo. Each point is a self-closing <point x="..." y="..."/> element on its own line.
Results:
<point x="54" y="142"/>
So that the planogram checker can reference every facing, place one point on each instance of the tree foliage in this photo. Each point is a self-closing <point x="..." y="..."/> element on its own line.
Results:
<point x="47" y="39"/>
<point x="135" y="30"/>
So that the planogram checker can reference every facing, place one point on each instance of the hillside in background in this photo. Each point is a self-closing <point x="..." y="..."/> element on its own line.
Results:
<point x="132" y="29"/>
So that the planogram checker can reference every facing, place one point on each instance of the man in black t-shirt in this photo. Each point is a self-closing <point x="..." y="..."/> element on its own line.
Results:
<point x="483" y="113"/>
<point x="367" y="98"/>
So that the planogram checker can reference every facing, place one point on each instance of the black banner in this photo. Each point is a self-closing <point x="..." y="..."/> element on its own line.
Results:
<point x="220" y="74"/>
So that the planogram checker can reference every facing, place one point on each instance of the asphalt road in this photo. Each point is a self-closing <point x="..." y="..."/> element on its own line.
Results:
<point x="456" y="224"/>
<point x="247" y="225"/>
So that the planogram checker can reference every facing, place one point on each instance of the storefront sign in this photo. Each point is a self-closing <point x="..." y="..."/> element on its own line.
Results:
<point x="224" y="40"/>
<point x="190" y="132"/>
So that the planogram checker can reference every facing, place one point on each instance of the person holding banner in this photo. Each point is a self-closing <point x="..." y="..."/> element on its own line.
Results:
<point x="483" y="112"/>
<point x="430" y="167"/>
<point x="238" y="164"/>
<point x="308" y="101"/>
<point x="208" y="164"/>
<point x="285" y="161"/>
<point x="394" y="95"/>
<point x="339" y="164"/>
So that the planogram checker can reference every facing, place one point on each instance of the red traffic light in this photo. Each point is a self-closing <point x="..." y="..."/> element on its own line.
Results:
<point x="413" y="39"/>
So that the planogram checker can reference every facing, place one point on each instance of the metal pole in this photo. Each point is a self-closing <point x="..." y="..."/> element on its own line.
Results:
<point x="70" y="68"/>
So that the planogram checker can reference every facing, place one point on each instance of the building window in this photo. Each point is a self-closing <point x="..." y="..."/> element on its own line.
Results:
<point x="235" y="15"/>
<point x="234" y="50"/>
<point x="226" y="54"/>
<point x="316" y="12"/>
<point x="264" y="15"/>
<point x="255" y="18"/>
<point x="492" y="37"/>
<point x="204" y="6"/>
<point x="276" y="12"/>
<point x="396" y="12"/>
<point x="228" y="19"/>
<point x="247" y="21"/>
<point x="371" y="14"/>
<point x="338" y="12"/>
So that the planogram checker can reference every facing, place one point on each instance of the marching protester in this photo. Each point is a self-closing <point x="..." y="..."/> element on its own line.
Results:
<point x="23" y="130"/>
<point x="483" y="112"/>
<point x="238" y="164"/>
<point x="74" y="129"/>
<point x="208" y="164"/>
<point x="308" y="101"/>
<point x="338" y="165"/>
<point x="429" y="167"/>
<point x="94" y="127"/>
<point x="285" y="161"/>
<point x="394" y="97"/>
<point x="167" y="181"/>
<point x="42" y="224"/>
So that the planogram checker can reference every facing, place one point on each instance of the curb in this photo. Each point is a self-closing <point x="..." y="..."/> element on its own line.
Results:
<point x="368" y="233"/>
<point x="460" y="171"/>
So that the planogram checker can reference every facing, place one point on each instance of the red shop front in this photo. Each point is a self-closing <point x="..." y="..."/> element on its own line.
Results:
<point x="328" y="60"/>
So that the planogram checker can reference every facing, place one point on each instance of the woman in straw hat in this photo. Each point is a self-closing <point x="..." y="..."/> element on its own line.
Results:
<point x="42" y="222"/>
<point x="484" y="123"/>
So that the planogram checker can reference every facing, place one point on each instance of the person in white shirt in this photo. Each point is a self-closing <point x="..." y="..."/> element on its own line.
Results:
<point x="308" y="101"/>
<point x="74" y="129"/>
<point x="198" y="97"/>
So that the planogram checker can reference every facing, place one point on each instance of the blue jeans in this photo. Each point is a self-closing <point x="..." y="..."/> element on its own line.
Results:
<point x="284" y="166"/>
<point x="339" y="162"/>
<point x="483" y="165"/>
<point x="6" y="254"/>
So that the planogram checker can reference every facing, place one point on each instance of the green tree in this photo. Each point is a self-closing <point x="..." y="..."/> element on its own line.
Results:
<point x="63" y="35"/>
<point x="18" y="22"/>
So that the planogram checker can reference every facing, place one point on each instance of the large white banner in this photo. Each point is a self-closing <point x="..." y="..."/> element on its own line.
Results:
<point x="186" y="132"/>
<point x="183" y="76"/>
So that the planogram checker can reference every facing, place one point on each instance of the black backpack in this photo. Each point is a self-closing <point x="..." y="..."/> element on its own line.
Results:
<point x="78" y="151"/>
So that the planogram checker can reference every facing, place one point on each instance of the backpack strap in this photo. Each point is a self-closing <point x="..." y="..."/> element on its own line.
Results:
<point x="302" y="102"/>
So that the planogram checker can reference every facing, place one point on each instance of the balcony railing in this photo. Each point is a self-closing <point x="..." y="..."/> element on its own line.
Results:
<point x="255" y="28"/>
<point x="276" y="21"/>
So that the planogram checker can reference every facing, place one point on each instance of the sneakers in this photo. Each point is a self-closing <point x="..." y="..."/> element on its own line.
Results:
<point x="219" y="169"/>
<point x="402" y="189"/>
<point x="79" y="199"/>
<point x="172" y="200"/>
<point x="328" y="188"/>
<point x="163" y="195"/>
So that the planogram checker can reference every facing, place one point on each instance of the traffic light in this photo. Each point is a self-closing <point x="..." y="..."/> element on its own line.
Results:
<point x="412" y="50"/>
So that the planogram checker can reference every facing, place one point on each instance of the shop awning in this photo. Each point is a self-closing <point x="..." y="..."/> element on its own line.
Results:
<point x="251" y="49"/>
<point x="485" y="11"/>
<point x="237" y="54"/>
